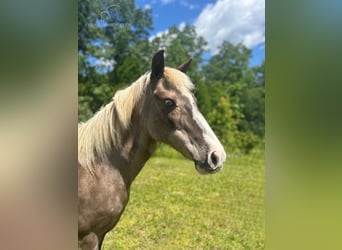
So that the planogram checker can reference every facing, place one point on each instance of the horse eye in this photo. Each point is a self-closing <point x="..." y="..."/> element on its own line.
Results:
<point x="169" y="103"/>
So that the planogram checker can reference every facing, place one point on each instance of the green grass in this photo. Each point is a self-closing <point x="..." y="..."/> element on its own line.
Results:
<point x="173" y="207"/>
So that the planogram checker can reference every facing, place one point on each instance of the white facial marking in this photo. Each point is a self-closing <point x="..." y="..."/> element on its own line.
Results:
<point x="208" y="134"/>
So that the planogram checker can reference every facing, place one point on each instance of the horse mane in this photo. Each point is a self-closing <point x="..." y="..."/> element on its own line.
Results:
<point x="99" y="134"/>
<point x="102" y="132"/>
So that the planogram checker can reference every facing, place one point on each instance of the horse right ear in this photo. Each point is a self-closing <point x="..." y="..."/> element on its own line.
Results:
<point x="158" y="65"/>
<point x="185" y="66"/>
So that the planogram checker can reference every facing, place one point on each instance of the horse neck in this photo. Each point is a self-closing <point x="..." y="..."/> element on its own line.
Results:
<point x="137" y="147"/>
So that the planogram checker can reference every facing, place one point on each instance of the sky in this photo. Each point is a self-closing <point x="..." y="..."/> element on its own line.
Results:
<point x="216" y="20"/>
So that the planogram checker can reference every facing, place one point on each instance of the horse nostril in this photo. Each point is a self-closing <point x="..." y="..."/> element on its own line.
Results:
<point x="214" y="158"/>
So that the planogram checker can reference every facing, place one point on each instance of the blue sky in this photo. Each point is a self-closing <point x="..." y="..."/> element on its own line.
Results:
<point x="215" y="20"/>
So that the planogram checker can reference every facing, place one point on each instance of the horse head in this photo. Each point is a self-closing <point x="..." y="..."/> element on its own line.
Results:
<point x="172" y="116"/>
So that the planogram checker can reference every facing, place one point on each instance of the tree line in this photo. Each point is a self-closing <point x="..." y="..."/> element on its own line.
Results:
<point x="115" y="48"/>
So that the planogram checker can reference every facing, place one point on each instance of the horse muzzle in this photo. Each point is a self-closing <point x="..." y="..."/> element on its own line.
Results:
<point x="213" y="163"/>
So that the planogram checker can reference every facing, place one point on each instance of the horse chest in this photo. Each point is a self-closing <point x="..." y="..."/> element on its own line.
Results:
<point x="102" y="199"/>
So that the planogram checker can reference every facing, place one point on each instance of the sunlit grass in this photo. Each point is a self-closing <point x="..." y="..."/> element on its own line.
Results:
<point x="173" y="207"/>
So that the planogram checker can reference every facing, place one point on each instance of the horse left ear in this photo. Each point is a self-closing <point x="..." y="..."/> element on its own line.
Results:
<point x="158" y="65"/>
<point x="185" y="66"/>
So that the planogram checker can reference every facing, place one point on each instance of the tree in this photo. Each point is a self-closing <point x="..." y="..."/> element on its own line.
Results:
<point x="229" y="69"/>
<point x="254" y="110"/>
<point x="254" y="103"/>
<point x="112" y="40"/>
<point x="222" y="121"/>
<point x="203" y="98"/>
<point x="228" y="75"/>
<point x="229" y="65"/>
<point x="181" y="44"/>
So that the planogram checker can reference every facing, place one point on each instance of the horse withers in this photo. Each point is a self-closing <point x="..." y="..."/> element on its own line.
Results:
<point x="116" y="142"/>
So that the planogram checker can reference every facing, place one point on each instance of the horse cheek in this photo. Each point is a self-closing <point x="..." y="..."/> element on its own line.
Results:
<point x="174" y="119"/>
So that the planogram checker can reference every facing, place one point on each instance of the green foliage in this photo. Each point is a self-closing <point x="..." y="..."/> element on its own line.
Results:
<point x="127" y="71"/>
<point x="173" y="207"/>
<point x="84" y="111"/>
<point x="254" y="110"/>
<point x="230" y="63"/>
<point x="113" y="33"/>
<point x="230" y="94"/>
<point x="203" y="98"/>
<point x="221" y="120"/>
<point x="243" y="88"/>
<point x="181" y="45"/>
<point x="246" y="141"/>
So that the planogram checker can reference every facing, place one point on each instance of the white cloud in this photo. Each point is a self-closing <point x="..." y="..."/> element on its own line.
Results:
<point x="166" y="1"/>
<point x="188" y="5"/>
<point x="183" y="3"/>
<point x="232" y="20"/>
<point x="147" y="6"/>
<point x="181" y="26"/>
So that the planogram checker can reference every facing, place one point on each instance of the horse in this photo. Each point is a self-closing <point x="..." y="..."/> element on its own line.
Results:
<point x="117" y="141"/>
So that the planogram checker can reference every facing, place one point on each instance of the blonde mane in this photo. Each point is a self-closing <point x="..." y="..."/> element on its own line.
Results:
<point x="99" y="134"/>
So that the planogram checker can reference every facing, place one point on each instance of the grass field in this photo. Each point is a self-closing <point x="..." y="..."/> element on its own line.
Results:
<point x="173" y="207"/>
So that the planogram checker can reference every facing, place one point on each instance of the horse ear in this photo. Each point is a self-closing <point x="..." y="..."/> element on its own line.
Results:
<point x="158" y="65"/>
<point x="185" y="66"/>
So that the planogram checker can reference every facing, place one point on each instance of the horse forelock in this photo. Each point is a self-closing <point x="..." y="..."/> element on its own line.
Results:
<point x="178" y="79"/>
